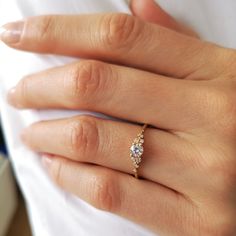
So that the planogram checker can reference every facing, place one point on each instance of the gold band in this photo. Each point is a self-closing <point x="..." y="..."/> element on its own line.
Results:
<point x="136" y="150"/>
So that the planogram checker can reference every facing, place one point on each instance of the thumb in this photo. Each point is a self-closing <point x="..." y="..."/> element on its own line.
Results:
<point x="150" y="11"/>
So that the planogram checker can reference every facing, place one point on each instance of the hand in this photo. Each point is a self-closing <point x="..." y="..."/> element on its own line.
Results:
<point x="182" y="86"/>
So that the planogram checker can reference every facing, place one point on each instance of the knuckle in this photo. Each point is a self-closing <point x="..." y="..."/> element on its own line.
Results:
<point x="225" y="107"/>
<point x="221" y="170"/>
<point x="213" y="99"/>
<point x="227" y="103"/>
<point x="83" y="138"/>
<point x="86" y="80"/>
<point x="224" y="182"/>
<point x="45" y="27"/>
<point x="223" y="226"/>
<point x="218" y="104"/>
<point x="119" y="31"/>
<point x="225" y="60"/>
<point x="218" y="220"/>
<point x="106" y="192"/>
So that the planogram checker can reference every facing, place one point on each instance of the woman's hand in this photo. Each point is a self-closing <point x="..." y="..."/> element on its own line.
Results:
<point x="144" y="73"/>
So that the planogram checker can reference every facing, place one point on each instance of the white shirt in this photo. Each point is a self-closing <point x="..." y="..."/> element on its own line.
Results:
<point x="52" y="211"/>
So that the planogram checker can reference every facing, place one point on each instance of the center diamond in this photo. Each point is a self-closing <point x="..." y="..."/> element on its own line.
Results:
<point x="136" y="150"/>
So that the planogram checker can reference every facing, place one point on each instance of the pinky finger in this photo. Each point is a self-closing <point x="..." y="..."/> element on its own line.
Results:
<point x="146" y="203"/>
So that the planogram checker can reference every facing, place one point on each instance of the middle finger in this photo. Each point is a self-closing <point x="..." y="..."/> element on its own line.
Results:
<point x="117" y="91"/>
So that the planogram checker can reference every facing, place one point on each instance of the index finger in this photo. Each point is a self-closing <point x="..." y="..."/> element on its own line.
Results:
<point x="117" y="38"/>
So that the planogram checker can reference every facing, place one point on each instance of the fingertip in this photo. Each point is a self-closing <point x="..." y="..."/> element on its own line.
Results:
<point x="11" y="96"/>
<point x="143" y="8"/>
<point x="10" y="33"/>
<point x="24" y="136"/>
<point x="12" y="99"/>
<point x="151" y="11"/>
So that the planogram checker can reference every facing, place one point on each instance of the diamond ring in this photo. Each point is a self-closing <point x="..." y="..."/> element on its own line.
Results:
<point x="136" y="150"/>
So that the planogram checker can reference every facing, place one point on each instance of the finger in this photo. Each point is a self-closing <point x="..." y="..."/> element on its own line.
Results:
<point x="150" y="11"/>
<point x="118" y="38"/>
<point x="107" y="143"/>
<point x="141" y="97"/>
<point x="150" y="205"/>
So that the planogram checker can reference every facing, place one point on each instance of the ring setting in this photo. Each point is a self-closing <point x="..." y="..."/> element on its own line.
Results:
<point x="136" y="150"/>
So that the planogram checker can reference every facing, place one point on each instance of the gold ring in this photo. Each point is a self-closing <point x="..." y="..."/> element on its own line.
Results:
<point x="136" y="150"/>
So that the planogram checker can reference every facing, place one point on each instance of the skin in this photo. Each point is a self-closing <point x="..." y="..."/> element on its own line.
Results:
<point x="180" y="85"/>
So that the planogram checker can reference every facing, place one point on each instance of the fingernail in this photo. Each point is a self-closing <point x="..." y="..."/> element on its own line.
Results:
<point x="11" y="32"/>
<point x="11" y="97"/>
<point x="47" y="160"/>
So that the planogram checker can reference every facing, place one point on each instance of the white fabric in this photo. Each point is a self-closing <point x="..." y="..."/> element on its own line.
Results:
<point x="52" y="211"/>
